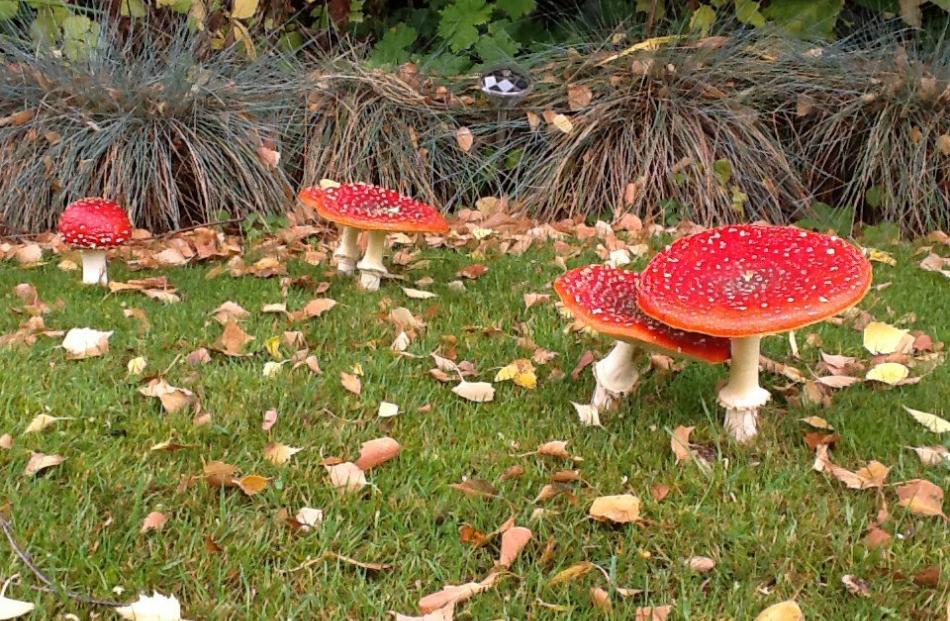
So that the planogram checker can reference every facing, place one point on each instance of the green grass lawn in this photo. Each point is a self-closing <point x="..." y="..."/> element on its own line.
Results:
<point x="777" y="529"/>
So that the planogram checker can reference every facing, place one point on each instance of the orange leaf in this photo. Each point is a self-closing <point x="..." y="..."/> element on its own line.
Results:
<point x="376" y="452"/>
<point x="513" y="542"/>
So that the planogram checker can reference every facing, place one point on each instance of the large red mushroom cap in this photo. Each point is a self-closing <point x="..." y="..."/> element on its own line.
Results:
<point x="750" y="280"/>
<point x="372" y="208"/>
<point x="604" y="298"/>
<point x="95" y="223"/>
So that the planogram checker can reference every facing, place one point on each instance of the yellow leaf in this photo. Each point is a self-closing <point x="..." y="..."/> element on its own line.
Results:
<point x="818" y="423"/>
<point x="881" y="338"/>
<point x="521" y="372"/>
<point x="891" y="373"/>
<point x="931" y="421"/>
<point x="881" y="257"/>
<point x="252" y="484"/>
<point x="559" y="121"/>
<point x="783" y="611"/>
<point x="572" y="573"/>
<point x="272" y="345"/>
<point x="279" y="454"/>
<point x="620" y="509"/>
<point x="243" y="9"/>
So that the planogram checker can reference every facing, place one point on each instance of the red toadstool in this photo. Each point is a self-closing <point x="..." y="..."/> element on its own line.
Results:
<point x="94" y="225"/>
<point x="361" y="206"/>
<point x="604" y="298"/>
<point x="747" y="281"/>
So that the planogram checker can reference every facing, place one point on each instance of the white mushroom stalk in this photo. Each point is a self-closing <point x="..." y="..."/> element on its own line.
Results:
<point x="742" y="396"/>
<point x="616" y="376"/>
<point x="95" y="270"/>
<point x="347" y="252"/>
<point x="371" y="266"/>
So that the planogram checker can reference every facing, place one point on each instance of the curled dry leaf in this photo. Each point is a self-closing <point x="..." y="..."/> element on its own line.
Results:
<point x="653" y="613"/>
<point x="351" y="382"/>
<point x="270" y="419"/>
<point x="932" y="455"/>
<point x="921" y="497"/>
<point x="230" y="311"/>
<point x="172" y="398"/>
<point x="279" y="454"/>
<point x="347" y="476"/>
<point x="233" y="340"/>
<point x="571" y="573"/>
<point x="41" y="422"/>
<point x="153" y="521"/>
<point x="479" y="392"/>
<point x="555" y="448"/>
<point x="700" y="564"/>
<point x="454" y="594"/>
<point x="931" y="421"/>
<point x="619" y="509"/>
<point x="476" y="488"/>
<point x="156" y="607"/>
<point x="308" y="518"/>
<point x="465" y="139"/>
<point x="86" y="343"/>
<point x="513" y="542"/>
<point x="41" y="461"/>
<point x="679" y="442"/>
<point x="871" y="476"/>
<point x="376" y="452"/>
<point x="782" y="611"/>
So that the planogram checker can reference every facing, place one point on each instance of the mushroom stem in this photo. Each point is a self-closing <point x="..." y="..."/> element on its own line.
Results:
<point x="742" y="396"/>
<point x="371" y="266"/>
<point x="347" y="252"/>
<point x="94" y="268"/>
<point x="616" y="375"/>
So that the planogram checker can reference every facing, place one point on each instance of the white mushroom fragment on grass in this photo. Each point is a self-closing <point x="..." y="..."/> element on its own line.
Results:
<point x="744" y="282"/>
<point x="363" y="207"/>
<point x="604" y="298"/>
<point x="93" y="225"/>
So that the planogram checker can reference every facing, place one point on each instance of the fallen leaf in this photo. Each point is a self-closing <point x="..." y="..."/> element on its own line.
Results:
<point x="891" y="373"/>
<point x="270" y="419"/>
<point x="818" y="423"/>
<point x="351" y="382"/>
<point x="921" y="497"/>
<point x="600" y="599"/>
<point x="783" y="611"/>
<point x="153" y="521"/>
<point x="376" y="452"/>
<point x="308" y="518"/>
<point x="6" y="442"/>
<point x="136" y="366"/>
<point x="871" y="476"/>
<point x="932" y="455"/>
<point x="347" y="476"/>
<point x="40" y="461"/>
<point x="475" y="488"/>
<point x="473" y="271"/>
<point x="41" y="422"/>
<point x="700" y="564"/>
<point x="513" y="542"/>
<point x="156" y="607"/>
<point x="571" y="573"/>
<point x="619" y="509"/>
<point x="446" y="613"/>
<point x="251" y="484"/>
<point x="586" y="359"/>
<point x="219" y="474"/>
<point x="578" y="96"/>
<point x="279" y="454"/>
<point x="230" y="311"/>
<point x="855" y="585"/>
<point x="479" y="392"/>
<point x="653" y="613"/>
<point x="931" y="421"/>
<point x="86" y="343"/>
<point x="928" y="577"/>
<point x="313" y="308"/>
<point x="418" y="294"/>
<point x="521" y="372"/>
<point x="233" y="340"/>
<point x="13" y="608"/>
<point x="199" y="356"/>
<point x="554" y="448"/>
<point x="530" y="299"/>
<point x="453" y="594"/>
<point x="559" y="121"/>
<point x="679" y="442"/>
<point x="837" y="381"/>
<point x="387" y="409"/>
<point x="172" y="398"/>
<point x="876" y="538"/>
<point x="465" y="139"/>
<point x="882" y="338"/>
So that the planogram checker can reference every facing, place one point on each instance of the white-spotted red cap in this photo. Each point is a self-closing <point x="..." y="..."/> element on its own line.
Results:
<point x="95" y="223"/>
<point x="749" y="280"/>
<point x="372" y="208"/>
<point x="605" y="298"/>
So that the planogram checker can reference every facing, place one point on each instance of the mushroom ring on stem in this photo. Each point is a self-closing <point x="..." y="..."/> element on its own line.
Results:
<point x="744" y="282"/>
<point x="363" y="207"/>
<point x="604" y="298"/>
<point x="94" y="225"/>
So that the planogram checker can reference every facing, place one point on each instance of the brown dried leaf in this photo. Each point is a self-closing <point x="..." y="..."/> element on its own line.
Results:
<point x="513" y="542"/>
<point x="653" y="613"/>
<point x="313" y="308"/>
<point x="40" y="461"/>
<point x="465" y="139"/>
<point x="921" y="497"/>
<point x="153" y="521"/>
<point x="619" y="509"/>
<point x="475" y="488"/>
<point x="219" y="473"/>
<point x="347" y="476"/>
<point x="233" y="340"/>
<point x="572" y="573"/>
<point x="351" y="382"/>
<point x="376" y="452"/>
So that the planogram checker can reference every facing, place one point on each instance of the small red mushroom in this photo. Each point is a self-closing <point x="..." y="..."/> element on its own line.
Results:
<point x="363" y="207"/>
<point x="747" y="281"/>
<point x="94" y="225"/>
<point x="604" y="298"/>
